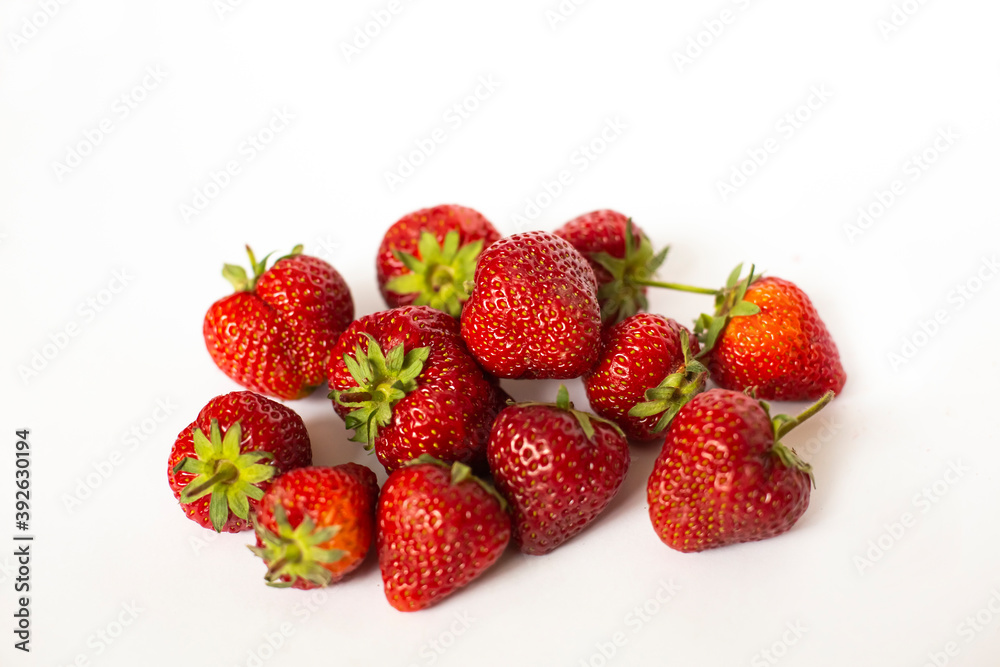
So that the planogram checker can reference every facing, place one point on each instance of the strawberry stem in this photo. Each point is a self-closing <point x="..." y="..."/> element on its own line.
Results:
<point x="791" y="422"/>
<point x="677" y="286"/>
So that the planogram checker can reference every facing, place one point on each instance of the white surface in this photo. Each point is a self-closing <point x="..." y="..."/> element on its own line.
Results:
<point x="893" y="432"/>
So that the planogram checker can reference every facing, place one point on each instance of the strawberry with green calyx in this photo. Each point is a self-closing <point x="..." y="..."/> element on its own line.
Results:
<point x="622" y="258"/>
<point x="404" y="381"/>
<point x="724" y="476"/>
<point x="274" y="334"/>
<point x="315" y="525"/>
<point x="219" y="478"/>
<point x="428" y="256"/>
<point x="558" y="467"/>
<point x="766" y="334"/>
<point x="782" y="349"/>
<point x="647" y="370"/>
<point x="439" y="528"/>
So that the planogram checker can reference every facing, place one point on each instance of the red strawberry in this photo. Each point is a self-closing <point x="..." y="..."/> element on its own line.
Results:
<point x="645" y="374"/>
<point x="275" y="333"/>
<point x="426" y="257"/>
<point x="783" y="350"/>
<point x="558" y="467"/>
<point x="533" y="312"/>
<point x="723" y="476"/>
<point x="439" y="528"/>
<point x="622" y="258"/>
<point x="223" y="462"/>
<point x="404" y="382"/>
<point x="315" y="525"/>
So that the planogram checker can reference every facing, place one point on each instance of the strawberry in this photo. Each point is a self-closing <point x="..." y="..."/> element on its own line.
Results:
<point x="275" y="333"/>
<point x="766" y="334"/>
<point x="426" y="257"/>
<point x="439" y="527"/>
<point x="622" y="258"/>
<point x="404" y="382"/>
<point x="220" y="477"/>
<point x="645" y="374"/>
<point x="723" y="475"/>
<point x="558" y="467"/>
<point x="783" y="350"/>
<point x="315" y="525"/>
<point x="533" y="311"/>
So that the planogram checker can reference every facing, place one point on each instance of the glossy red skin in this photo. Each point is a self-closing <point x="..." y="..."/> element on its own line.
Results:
<point x="266" y="426"/>
<point x="449" y="414"/>
<point x="276" y="340"/>
<point x="404" y="235"/>
<point x="716" y="481"/>
<point x="638" y="353"/>
<point x="434" y="537"/>
<point x="343" y="495"/>
<point x="556" y="480"/>
<point x="785" y="350"/>
<point x="533" y="312"/>
<point x="599" y="231"/>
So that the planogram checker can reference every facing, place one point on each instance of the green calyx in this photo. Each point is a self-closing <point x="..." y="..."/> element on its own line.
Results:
<point x="460" y="473"/>
<point x="296" y="553"/>
<point x="674" y="391"/>
<point x="225" y="473"/>
<point x="585" y="419"/>
<point x="729" y="303"/>
<point x="783" y="424"/>
<point x="237" y="275"/>
<point x="440" y="275"/>
<point x="623" y="296"/>
<point x="382" y="381"/>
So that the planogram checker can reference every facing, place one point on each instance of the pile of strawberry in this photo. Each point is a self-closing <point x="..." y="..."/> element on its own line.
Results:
<point x="470" y="470"/>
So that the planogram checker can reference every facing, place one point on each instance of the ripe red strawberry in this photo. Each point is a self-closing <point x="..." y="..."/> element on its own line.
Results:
<point x="723" y="476"/>
<point x="622" y="258"/>
<point x="558" y="467"/>
<point x="646" y="372"/>
<point x="404" y="382"/>
<point x="275" y="333"/>
<point x="766" y="334"/>
<point x="439" y="527"/>
<point x="223" y="462"/>
<point x="315" y="525"/>
<point x="784" y="349"/>
<point x="427" y="256"/>
<point x="533" y="312"/>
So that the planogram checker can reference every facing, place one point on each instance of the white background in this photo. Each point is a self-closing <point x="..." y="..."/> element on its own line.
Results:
<point x="898" y="427"/>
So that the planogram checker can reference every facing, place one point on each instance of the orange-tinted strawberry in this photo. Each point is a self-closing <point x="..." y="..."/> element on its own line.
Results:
<point x="784" y="349"/>
<point x="723" y="476"/>
<point x="533" y="312"/>
<point x="274" y="335"/>
<point x="315" y="525"/>
<point x="766" y="334"/>
<point x="403" y="380"/>
<point x="223" y="462"/>
<point x="427" y="256"/>
<point x="646" y="372"/>
<point x="439" y="527"/>
<point x="622" y="258"/>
